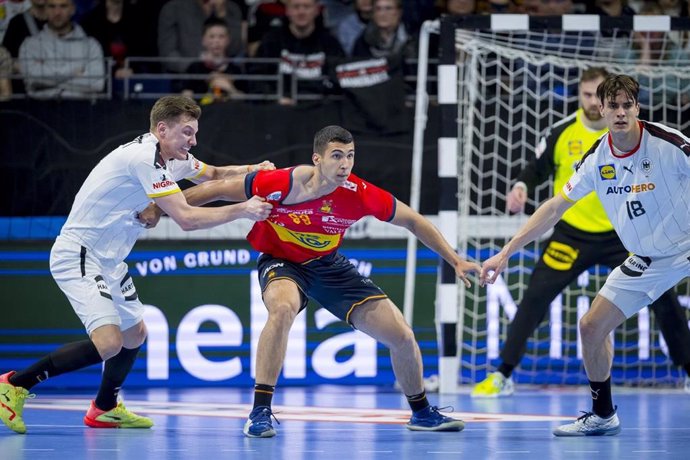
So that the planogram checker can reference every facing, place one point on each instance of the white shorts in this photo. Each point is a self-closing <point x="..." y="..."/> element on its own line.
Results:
<point x="639" y="281"/>
<point x="101" y="293"/>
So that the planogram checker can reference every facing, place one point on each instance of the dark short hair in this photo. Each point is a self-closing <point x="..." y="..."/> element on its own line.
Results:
<point x="614" y="84"/>
<point x="330" y="134"/>
<point x="171" y="109"/>
<point x="214" y="21"/>
<point x="593" y="73"/>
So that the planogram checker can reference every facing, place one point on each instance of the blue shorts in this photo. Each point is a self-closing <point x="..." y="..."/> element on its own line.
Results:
<point x="332" y="281"/>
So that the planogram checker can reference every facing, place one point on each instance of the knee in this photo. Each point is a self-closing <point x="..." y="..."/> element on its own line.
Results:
<point x="403" y="339"/>
<point x="283" y="314"/>
<point x="135" y="336"/>
<point x="108" y="345"/>
<point x="108" y="341"/>
<point x="589" y="332"/>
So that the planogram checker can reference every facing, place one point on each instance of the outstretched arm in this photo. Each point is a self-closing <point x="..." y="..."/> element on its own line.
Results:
<point x="228" y="172"/>
<point x="192" y="218"/>
<point x="206" y="192"/>
<point x="544" y="218"/>
<point x="431" y="237"/>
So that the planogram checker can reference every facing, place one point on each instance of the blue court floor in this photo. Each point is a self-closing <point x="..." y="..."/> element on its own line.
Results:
<point x="357" y="422"/>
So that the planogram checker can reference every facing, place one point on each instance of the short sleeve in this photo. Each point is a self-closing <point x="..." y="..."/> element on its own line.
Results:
<point x="156" y="182"/>
<point x="581" y="182"/>
<point x="192" y="169"/>
<point x="273" y="185"/>
<point x="378" y="202"/>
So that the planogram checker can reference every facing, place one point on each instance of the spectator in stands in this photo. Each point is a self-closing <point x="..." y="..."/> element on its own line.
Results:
<point x="181" y="26"/>
<point x="113" y="23"/>
<point x="385" y="36"/>
<point x="611" y="41"/>
<point x="673" y="8"/>
<point x="24" y="25"/>
<point x="653" y="48"/>
<point x="306" y="49"/>
<point x="61" y="61"/>
<point x="459" y="7"/>
<point x="29" y="23"/>
<point x="670" y="7"/>
<point x="555" y="7"/>
<point x="8" y="10"/>
<point x="610" y="8"/>
<point x="5" y="74"/>
<point x="264" y="16"/>
<point x="352" y="26"/>
<point x="415" y="12"/>
<point x="506" y="6"/>
<point x="450" y="8"/>
<point x="214" y="65"/>
<point x="334" y="12"/>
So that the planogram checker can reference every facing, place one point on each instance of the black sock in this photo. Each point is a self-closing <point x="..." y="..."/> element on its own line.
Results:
<point x="68" y="358"/>
<point x="115" y="372"/>
<point x="263" y="395"/>
<point x="506" y="369"/>
<point x="686" y="366"/>
<point x="418" y="402"/>
<point x="602" y="405"/>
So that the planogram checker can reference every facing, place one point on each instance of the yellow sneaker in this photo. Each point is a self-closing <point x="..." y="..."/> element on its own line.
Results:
<point x="494" y="386"/>
<point x="118" y="417"/>
<point x="12" y="404"/>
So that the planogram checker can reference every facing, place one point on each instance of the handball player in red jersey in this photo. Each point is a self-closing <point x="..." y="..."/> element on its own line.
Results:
<point x="313" y="206"/>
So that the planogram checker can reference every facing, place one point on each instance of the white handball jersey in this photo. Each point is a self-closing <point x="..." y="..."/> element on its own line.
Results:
<point x="646" y="192"/>
<point x="103" y="216"/>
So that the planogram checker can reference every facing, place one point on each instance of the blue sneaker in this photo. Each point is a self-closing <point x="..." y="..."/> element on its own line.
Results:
<point x="590" y="424"/>
<point x="259" y="424"/>
<point x="430" y="419"/>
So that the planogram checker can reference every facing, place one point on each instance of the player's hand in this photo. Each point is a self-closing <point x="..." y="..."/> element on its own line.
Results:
<point x="257" y="208"/>
<point x="463" y="267"/>
<point x="150" y="216"/>
<point x="492" y="267"/>
<point x="516" y="199"/>
<point x="263" y="166"/>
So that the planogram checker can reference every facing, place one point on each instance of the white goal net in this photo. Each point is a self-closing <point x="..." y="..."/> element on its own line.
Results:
<point x="512" y="87"/>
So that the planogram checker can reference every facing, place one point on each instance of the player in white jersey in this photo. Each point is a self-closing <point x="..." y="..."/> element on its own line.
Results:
<point x="87" y="259"/>
<point x="641" y="174"/>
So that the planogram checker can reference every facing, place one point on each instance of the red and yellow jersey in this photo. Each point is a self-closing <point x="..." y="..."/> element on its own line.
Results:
<point x="304" y="231"/>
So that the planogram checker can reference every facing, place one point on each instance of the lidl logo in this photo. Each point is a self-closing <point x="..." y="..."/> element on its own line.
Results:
<point x="607" y="172"/>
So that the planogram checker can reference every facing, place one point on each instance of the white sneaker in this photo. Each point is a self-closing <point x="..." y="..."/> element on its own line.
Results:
<point x="495" y="385"/>
<point x="590" y="424"/>
<point x="686" y="385"/>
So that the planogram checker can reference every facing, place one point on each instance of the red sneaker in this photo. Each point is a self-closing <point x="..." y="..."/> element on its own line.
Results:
<point x="117" y="417"/>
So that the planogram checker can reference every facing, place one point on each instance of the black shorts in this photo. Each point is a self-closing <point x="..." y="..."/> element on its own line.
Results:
<point x="332" y="281"/>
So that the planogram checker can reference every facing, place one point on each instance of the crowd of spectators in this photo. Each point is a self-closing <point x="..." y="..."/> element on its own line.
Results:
<point x="56" y="48"/>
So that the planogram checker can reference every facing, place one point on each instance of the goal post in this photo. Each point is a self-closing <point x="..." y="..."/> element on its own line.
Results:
<point x="503" y="81"/>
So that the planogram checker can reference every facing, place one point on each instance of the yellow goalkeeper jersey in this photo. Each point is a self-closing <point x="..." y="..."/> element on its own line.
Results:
<point x="561" y="148"/>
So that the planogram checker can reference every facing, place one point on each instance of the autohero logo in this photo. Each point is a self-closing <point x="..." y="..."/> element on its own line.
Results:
<point x="633" y="188"/>
<point x="607" y="172"/>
